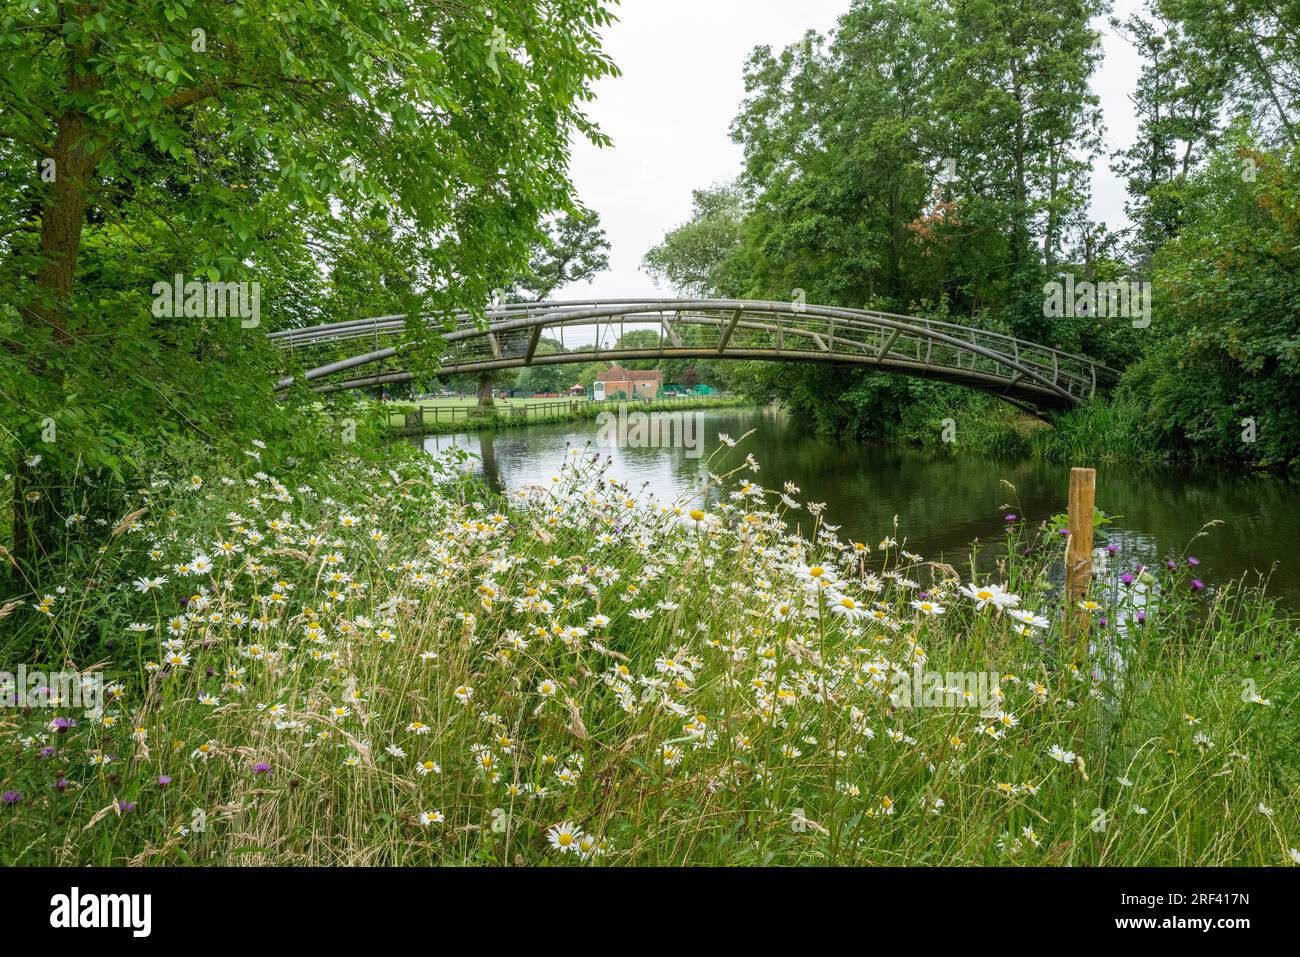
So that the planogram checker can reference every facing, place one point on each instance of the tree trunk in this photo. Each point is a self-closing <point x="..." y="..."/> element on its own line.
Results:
<point x="491" y="473"/>
<point x="62" y="218"/>
<point x="1049" y="235"/>
<point x="1020" y="188"/>
<point x="484" y="391"/>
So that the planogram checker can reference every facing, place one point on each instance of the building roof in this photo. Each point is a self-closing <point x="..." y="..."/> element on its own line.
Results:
<point x="616" y="373"/>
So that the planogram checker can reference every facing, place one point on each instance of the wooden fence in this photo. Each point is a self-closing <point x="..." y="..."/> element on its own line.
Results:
<point x="426" y="415"/>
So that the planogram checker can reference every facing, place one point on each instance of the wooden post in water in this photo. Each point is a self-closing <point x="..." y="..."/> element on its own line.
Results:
<point x="1078" y="554"/>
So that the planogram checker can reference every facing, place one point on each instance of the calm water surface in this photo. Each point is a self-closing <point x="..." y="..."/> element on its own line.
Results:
<point x="943" y="502"/>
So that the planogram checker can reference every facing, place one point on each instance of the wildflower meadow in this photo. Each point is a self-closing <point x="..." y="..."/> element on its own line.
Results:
<point x="372" y="659"/>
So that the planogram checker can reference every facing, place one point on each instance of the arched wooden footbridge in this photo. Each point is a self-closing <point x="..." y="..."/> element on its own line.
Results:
<point x="1026" y="374"/>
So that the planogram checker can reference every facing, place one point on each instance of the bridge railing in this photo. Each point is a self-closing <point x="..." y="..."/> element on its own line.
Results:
<point x="729" y="327"/>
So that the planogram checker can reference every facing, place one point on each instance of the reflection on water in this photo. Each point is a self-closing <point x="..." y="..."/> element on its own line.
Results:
<point x="942" y="502"/>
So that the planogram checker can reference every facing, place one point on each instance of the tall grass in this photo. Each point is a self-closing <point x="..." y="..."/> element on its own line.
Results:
<point x="1104" y="430"/>
<point x="377" y="663"/>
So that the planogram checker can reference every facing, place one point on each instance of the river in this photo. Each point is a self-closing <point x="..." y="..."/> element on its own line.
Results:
<point x="943" y="500"/>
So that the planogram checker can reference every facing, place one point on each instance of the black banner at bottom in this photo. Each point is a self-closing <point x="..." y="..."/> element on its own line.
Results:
<point x="300" y="907"/>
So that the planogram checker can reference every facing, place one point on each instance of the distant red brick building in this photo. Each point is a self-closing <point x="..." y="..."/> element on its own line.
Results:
<point x="631" y="383"/>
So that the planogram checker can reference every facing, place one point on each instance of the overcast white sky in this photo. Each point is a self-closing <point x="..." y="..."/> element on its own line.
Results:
<point x="670" y="111"/>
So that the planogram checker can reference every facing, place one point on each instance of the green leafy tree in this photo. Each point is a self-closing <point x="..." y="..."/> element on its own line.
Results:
<point x="1256" y="45"/>
<point x="1178" y="97"/>
<point x="548" y="377"/>
<point x="230" y="133"/>
<point x="930" y="158"/>
<point x="693" y="256"/>
<point x="1221" y="380"/>
<point x="572" y="248"/>
<point x="569" y="248"/>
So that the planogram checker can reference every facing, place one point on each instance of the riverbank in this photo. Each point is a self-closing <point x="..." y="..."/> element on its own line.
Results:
<point x="943" y="499"/>
<point x="433" y="417"/>
<point x="1117" y="428"/>
<point x="379" y="662"/>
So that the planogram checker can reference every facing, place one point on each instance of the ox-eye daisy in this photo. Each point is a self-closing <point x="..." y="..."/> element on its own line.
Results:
<point x="1058" y="753"/>
<point x="846" y="607"/>
<point x="564" y="837"/>
<point x="928" y="607"/>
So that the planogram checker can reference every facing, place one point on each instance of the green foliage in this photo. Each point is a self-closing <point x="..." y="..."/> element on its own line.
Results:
<point x="698" y="258"/>
<point x="1227" y="317"/>
<point x="932" y="159"/>
<point x="346" y="157"/>
<point x="1108" y="430"/>
<point x="928" y="160"/>
<point x="571" y="248"/>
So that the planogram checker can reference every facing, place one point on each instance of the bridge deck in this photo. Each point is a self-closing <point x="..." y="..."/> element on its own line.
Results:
<point x="1022" y="372"/>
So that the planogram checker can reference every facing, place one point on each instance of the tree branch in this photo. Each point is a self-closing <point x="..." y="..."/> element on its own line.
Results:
<point x="40" y="147"/>
<point x="196" y="94"/>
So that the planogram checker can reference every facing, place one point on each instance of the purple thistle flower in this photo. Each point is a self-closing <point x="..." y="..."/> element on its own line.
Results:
<point x="1193" y="561"/>
<point x="62" y="725"/>
<point x="164" y="780"/>
<point x="125" y="807"/>
<point x="1063" y="532"/>
<point x="1142" y="618"/>
<point x="1171" y="564"/>
<point x="1112" y="549"/>
<point x="46" y="752"/>
<point x="261" y="768"/>
<point x="1009" y="518"/>
<point x="1126" y="579"/>
<point x="1197" y="584"/>
<point x="61" y="784"/>
<point x="11" y="797"/>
